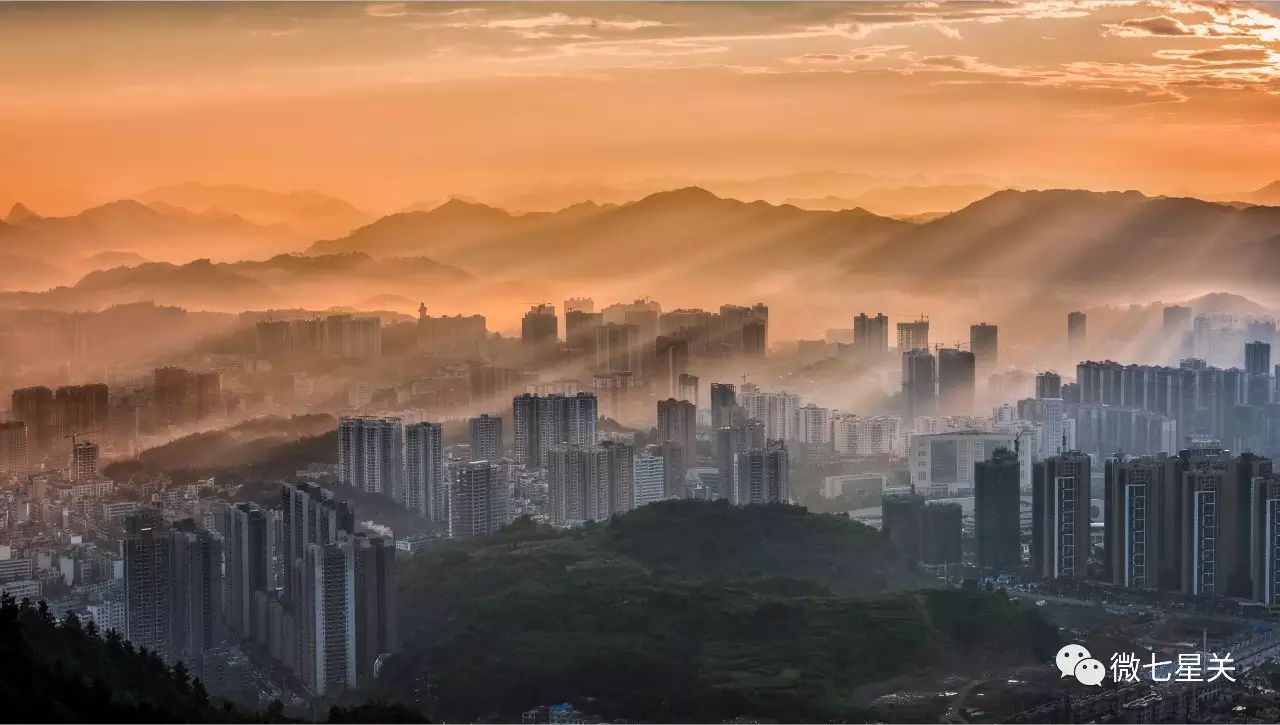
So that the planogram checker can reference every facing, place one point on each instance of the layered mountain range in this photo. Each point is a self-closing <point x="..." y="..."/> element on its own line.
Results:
<point x="684" y="238"/>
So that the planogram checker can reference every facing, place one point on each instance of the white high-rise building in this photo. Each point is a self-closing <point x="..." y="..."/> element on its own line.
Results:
<point x="84" y="462"/>
<point x="371" y="455"/>
<point x="426" y="482"/>
<point x="815" y="426"/>
<point x="649" y="478"/>
<point x="871" y="436"/>
<point x="778" y="411"/>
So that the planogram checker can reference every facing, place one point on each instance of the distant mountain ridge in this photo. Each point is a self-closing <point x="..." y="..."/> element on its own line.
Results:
<point x="1082" y="237"/>
<point x="586" y="239"/>
<point x="310" y="213"/>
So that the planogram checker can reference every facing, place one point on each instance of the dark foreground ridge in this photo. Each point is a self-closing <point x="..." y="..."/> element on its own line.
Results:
<point x="685" y="611"/>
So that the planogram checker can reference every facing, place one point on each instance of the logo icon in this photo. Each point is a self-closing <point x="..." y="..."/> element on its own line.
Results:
<point x="1070" y="656"/>
<point x="1090" y="672"/>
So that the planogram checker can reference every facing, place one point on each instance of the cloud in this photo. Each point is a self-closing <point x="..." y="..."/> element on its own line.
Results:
<point x="853" y="55"/>
<point x="1161" y="26"/>
<point x="554" y="20"/>
<point x="947" y="30"/>
<point x="386" y="10"/>
<point x="1225" y="54"/>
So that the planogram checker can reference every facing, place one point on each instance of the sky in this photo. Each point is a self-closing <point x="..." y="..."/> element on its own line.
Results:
<point x="388" y="104"/>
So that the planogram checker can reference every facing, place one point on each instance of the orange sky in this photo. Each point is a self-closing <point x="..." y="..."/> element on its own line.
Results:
<point x="387" y="104"/>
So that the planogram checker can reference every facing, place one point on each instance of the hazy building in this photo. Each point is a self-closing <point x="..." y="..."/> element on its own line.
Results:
<point x="457" y="337"/>
<point x="13" y="447"/>
<point x="1060" y="516"/>
<point x="870" y="436"/>
<point x="671" y="362"/>
<point x="371" y="455"/>
<point x="983" y="343"/>
<point x="1048" y="385"/>
<point x="724" y="398"/>
<point x="84" y="462"/>
<point x="919" y="383"/>
<point x="870" y="334"/>
<point x="678" y="423"/>
<point x="1076" y="333"/>
<point x="310" y="515"/>
<point x="486" y="438"/>
<point x="688" y="389"/>
<point x="913" y="335"/>
<point x="425" y="479"/>
<point x="956" y="381"/>
<point x="618" y="349"/>
<point x="34" y="408"/>
<point x="814" y="425"/>
<point x="996" y="513"/>
<point x="540" y="328"/>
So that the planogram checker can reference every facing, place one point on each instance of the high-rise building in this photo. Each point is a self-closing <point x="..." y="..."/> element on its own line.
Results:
<point x="197" y="594"/>
<point x="671" y="363"/>
<point x="457" y="337"/>
<point x="374" y="579"/>
<point x="310" y="515"/>
<point x="618" y="349"/>
<point x="580" y="328"/>
<point x="1264" y="538"/>
<point x="425" y="478"/>
<point x="688" y="389"/>
<point x="540" y="328"/>
<point x="617" y="394"/>
<point x="996" y="511"/>
<point x="913" y="335"/>
<point x="648" y="477"/>
<point x="348" y="336"/>
<point x="814" y="425"/>
<point x="1257" y="358"/>
<point x="579" y="304"/>
<point x="84" y="461"/>
<point x="762" y="475"/>
<point x="778" y="411"/>
<point x="864" y="437"/>
<point x="486" y="438"/>
<point x="902" y="523"/>
<point x="371" y="455"/>
<point x="81" y="409"/>
<point x="1060" y="516"/>
<point x="183" y="396"/>
<point x="1138" y="492"/>
<point x="678" y="423"/>
<point x="1176" y="319"/>
<point x="870" y="334"/>
<point x="983" y="343"/>
<point x="148" y="558"/>
<point x="13" y="448"/>
<point x="247" y="566"/>
<point x="956" y="381"/>
<point x="326" y="618"/>
<point x="943" y="525"/>
<point x="34" y="407"/>
<point x="1075" y="333"/>
<point x="478" y="501"/>
<point x="590" y="483"/>
<point x="542" y="422"/>
<point x="1048" y="385"/>
<point x="724" y="398"/>
<point x="919" y="383"/>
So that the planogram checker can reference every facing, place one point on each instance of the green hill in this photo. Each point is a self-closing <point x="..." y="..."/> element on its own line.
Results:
<point x="684" y="611"/>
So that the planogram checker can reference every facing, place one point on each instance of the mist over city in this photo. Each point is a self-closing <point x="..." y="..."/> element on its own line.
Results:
<point x="640" y="362"/>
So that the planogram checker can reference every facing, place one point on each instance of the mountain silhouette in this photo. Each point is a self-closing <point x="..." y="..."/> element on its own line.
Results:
<point x="310" y="213"/>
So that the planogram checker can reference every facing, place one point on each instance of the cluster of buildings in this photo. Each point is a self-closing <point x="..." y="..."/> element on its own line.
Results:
<point x="45" y="424"/>
<point x="349" y="337"/>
